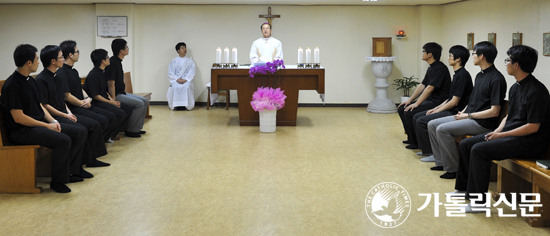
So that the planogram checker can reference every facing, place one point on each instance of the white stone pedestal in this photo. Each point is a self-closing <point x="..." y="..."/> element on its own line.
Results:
<point x="381" y="67"/>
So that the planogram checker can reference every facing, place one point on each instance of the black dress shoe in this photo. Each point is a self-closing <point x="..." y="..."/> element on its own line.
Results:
<point x="75" y="179"/>
<point x="132" y="134"/>
<point x="60" y="188"/>
<point x="407" y="142"/>
<point x="448" y="175"/>
<point x="438" y="168"/>
<point x="98" y="163"/>
<point x="84" y="174"/>
<point x="142" y="132"/>
<point x="412" y="146"/>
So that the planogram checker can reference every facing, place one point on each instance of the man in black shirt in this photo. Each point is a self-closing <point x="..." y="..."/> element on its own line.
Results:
<point x="53" y="99"/>
<point x="481" y="114"/>
<point x="77" y="100"/>
<point x="524" y="133"/>
<point x="433" y="90"/>
<point x="28" y="122"/>
<point x="115" y="78"/>
<point x="96" y="86"/>
<point x="459" y="95"/>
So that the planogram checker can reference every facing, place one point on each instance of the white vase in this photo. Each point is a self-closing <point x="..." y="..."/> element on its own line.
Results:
<point x="268" y="121"/>
<point x="404" y="99"/>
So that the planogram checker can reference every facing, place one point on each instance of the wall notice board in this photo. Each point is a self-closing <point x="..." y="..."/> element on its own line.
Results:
<point x="112" y="26"/>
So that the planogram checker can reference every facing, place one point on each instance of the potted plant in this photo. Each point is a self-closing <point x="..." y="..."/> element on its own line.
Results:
<point x="267" y="100"/>
<point x="406" y="84"/>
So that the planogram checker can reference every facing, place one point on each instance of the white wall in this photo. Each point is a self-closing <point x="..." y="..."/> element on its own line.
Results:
<point x="42" y="25"/>
<point x="502" y="17"/>
<point x="343" y="33"/>
<point x="429" y="31"/>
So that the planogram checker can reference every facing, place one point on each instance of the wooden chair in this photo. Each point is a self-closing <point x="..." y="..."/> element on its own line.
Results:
<point x="19" y="164"/>
<point x="129" y="89"/>
<point x="220" y="93"/>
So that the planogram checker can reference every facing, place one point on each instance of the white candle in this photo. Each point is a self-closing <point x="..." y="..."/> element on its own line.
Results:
<point x="226" y="55"/>
<point x="234" y="55"/>
<point x="308" y="55"/>
<point x="316" y="55"/>
<point x="300" y="55"/>
<point x="218" y="56"/>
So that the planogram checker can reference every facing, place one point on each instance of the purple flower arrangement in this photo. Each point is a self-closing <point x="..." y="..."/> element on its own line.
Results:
<point x="268" y="98"/>
<point x="270" y="67"/>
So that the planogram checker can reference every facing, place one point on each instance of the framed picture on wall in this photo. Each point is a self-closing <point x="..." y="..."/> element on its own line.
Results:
<point x="470" y="41"/>
<point x="492" y="37"/>
<point x="517" y="39"/>
<point x="546" y="44"/>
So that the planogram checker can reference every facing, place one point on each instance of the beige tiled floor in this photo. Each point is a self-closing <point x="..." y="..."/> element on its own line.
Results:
<point x="199" y="173"/>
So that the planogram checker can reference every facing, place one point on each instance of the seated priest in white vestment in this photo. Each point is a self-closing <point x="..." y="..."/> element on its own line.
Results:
<point x="267" y="48"/>
<point x="181" y="93"/>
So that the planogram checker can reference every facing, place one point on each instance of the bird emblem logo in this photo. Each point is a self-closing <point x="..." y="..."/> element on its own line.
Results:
<point x="388" y="205"/>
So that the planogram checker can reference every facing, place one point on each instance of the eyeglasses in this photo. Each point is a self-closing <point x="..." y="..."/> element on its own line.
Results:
<point x="451" y="56"/>
<point x="60" y="58"/>
<point x="77" y="51"/>
<point x="507" y="60"/>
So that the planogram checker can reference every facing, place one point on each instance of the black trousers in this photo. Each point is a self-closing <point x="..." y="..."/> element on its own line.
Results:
<point x="420" y="121"/>
<point x="95" y="146"/>
<point x="67" y="147"/>
<point x="122" y="114"/>
<point x="476" y="156"/>
<point x="106" y="118"/>
<point x="407" y="118"/>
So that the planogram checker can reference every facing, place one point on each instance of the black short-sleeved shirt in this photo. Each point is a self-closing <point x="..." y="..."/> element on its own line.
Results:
<point x="71" y="79"/>
<point x="48" y="84"/>
<point x="96" y="83"/>
<point x="461" y="87"/>
<point x="439" y="77"/>
<point x="20" y="93"/>
<point x="115" y="72"/>
<point x="529" y="101"/>
<point x="489" y="90"/>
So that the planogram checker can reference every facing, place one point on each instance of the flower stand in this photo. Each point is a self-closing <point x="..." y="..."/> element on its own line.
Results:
<point x="268" y="121"/>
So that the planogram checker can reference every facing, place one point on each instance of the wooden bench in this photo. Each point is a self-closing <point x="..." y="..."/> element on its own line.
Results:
<point x="129" y="89"/>
<point x="21" y="164"/>
<point x="524" y="176"/>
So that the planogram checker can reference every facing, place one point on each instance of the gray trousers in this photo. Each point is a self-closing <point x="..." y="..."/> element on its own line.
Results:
<point x="442" y="132"/>
<point x="139" y="106"/>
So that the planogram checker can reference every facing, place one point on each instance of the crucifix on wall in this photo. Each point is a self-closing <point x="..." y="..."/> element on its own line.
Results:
<point x="269" y="17"/>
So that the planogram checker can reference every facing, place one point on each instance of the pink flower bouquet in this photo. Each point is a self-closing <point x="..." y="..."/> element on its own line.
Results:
<point x="268" y="99"/>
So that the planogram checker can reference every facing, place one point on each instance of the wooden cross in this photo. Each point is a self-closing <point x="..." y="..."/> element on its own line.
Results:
<point x="269" y="17"/>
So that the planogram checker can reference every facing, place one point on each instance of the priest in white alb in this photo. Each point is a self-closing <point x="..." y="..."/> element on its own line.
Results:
<point x="267" y="48"/>
<point x="181" y="93"/>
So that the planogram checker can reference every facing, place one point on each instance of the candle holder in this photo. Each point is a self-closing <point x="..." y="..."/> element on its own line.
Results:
<point x="308" y="65"/>
<point x="225" y="65"/>
<point x="216" y="65"/>
<point x="300" y="65"/>
<point x="234" y="65"/>
<point x="316" y="65"/>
